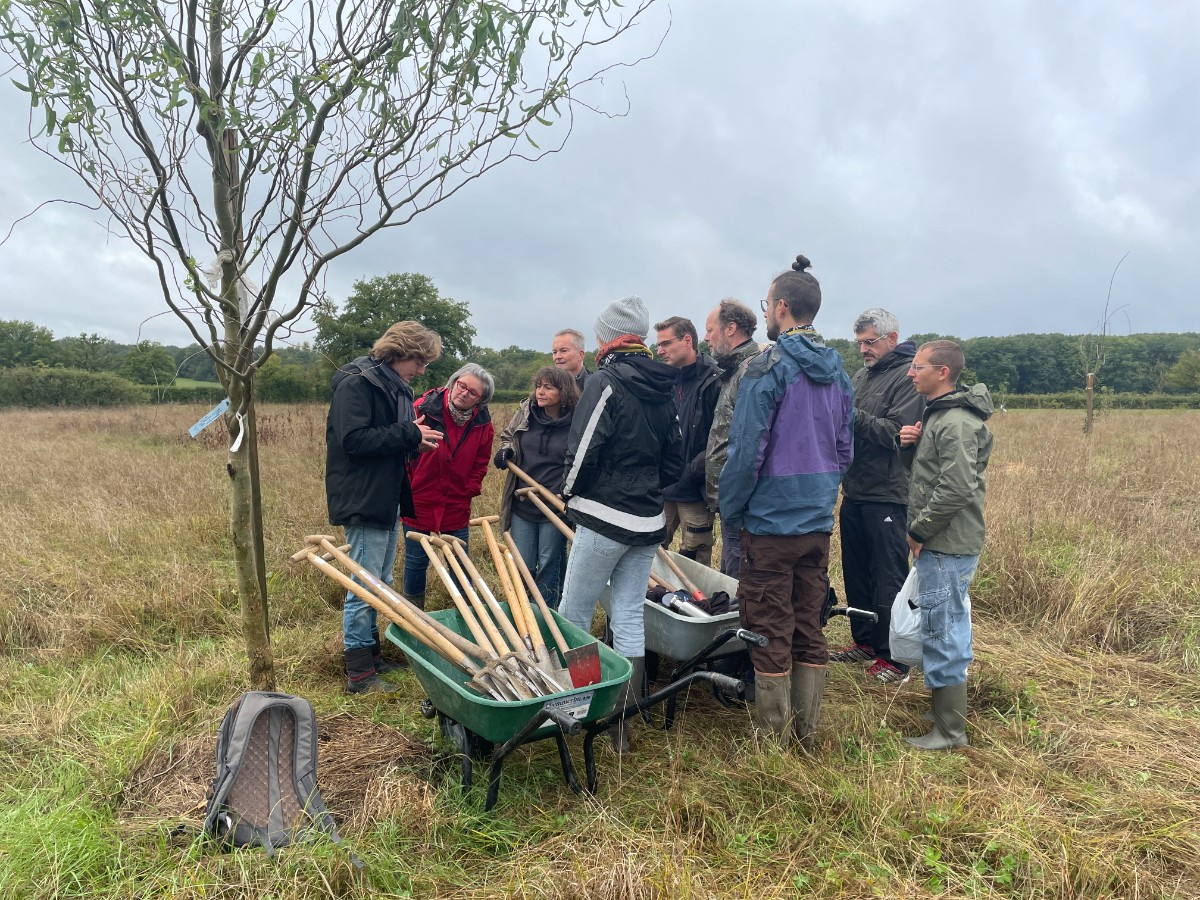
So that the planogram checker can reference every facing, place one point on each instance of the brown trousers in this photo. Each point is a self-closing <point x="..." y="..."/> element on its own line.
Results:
<point x="781" y="589"/>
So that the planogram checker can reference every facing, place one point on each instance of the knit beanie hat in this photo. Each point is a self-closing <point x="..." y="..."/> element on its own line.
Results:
<point x="628" y="316"/>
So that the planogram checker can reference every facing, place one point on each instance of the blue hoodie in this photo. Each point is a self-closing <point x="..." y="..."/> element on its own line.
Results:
<point x="791" y="440"/>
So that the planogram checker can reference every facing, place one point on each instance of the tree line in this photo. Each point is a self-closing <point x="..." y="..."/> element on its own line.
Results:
<point x="1023" y="364"/>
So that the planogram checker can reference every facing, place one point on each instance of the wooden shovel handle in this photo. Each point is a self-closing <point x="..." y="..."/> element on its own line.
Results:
<point x="455" y="594"/>
<point x="552" y="498"/>
<point x="481" y="610"/>
<point x="554" y="519"/>
<point x="501" y="569"/>
<point x="531" y="583"/>
<point x="426" y="636"/>
<point x="510" y="632"/>
<point x="521" y="600"/>
<point x="687" y="583"/>
<point x="402" y="604"/>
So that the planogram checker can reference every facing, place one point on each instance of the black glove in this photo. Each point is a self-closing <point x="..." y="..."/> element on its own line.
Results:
<point x="502" y="458"/>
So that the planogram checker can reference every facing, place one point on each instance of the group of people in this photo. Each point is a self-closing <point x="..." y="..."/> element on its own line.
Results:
<point x="654" y="443"/>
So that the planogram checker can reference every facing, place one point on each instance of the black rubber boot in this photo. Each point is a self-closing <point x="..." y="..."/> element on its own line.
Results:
<point x="949" y="720"/>
<point x="631" y="692"/>
<point x="384" y="666"/>
<point x="808" y="687"/>
<point x="360" y="673"/>
<point x="773" y="705"/>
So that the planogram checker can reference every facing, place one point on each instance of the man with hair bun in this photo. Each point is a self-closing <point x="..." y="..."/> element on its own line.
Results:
<point x="871" y="520"/>
<point x="945" y="528"/>
<point x="789" y="444"/>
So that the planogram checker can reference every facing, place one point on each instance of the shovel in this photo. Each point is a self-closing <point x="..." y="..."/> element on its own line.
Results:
<point x="583" y="663"/>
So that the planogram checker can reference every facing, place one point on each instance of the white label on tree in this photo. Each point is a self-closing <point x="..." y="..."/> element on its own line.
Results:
<point x="209" y="417"/>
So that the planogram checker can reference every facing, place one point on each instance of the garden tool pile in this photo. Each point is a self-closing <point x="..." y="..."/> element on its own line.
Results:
<point x="507" y="660"/>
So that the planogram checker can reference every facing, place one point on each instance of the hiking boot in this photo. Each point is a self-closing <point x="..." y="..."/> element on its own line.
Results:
<point x="886" y="673"/>
<point x="387" y="667"/>
<point x="853" y="653"/>
<point x="361" y="677"/>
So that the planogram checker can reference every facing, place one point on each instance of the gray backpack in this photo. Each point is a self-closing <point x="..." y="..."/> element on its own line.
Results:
<point x="265" y="791"/>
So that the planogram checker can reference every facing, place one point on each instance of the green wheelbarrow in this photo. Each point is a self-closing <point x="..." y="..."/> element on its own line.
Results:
<point x="475" y="723"/>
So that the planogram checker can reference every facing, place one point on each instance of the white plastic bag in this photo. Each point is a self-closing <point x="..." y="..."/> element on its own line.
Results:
<point x="905" y="631"/>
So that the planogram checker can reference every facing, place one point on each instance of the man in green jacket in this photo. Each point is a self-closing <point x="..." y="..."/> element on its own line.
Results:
<point x="945" y="527"/>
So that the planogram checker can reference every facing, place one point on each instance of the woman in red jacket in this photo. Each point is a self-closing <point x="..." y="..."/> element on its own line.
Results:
<point x="445" y="481"/>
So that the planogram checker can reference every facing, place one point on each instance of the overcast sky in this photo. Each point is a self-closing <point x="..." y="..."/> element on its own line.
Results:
<point x="978" y="168"/>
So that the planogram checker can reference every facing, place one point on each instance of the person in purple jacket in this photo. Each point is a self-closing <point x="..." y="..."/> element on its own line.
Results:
<point x="790" y="442"/>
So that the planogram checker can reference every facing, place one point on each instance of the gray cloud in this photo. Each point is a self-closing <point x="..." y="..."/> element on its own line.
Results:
<point x="978" y="168"/>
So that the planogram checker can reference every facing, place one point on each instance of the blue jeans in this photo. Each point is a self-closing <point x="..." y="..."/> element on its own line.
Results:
<point x="597" y="561"/>
<point x="375" y="550"/>
<point x="942" y="582"/>
<point x="416" y="564"/>
<point x="544" y="550"/>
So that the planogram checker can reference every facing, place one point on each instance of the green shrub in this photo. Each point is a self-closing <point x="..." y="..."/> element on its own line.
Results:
<point x="66" y="387"/>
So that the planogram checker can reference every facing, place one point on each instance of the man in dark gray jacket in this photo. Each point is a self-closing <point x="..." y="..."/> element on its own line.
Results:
<point x="875" y="490"/>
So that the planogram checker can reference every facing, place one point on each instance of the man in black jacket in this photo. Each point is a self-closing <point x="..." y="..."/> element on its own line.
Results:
<point x="873" y="516"/>
<point x="697" y="391"/>
<point x="622" y="450"/>
<point x="370" y="434"/>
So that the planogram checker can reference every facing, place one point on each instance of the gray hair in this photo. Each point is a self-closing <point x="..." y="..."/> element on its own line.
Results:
<point x="575" y="336"/>
<point x="878" y="318"/>
<point x="484" y="376"/>
<point x="733" y="310"/>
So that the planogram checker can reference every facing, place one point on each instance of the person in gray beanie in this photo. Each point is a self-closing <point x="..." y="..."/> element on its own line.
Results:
<point x="623" y="448"/>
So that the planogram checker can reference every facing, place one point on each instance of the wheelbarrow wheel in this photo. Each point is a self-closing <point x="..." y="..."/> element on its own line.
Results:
<point x="465" y="741"/>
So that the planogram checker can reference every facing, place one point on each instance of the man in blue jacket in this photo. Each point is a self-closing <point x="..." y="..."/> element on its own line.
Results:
<point x="789" y="445"/>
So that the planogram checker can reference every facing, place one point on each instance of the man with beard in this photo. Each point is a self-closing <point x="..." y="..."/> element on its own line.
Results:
<point x="729" y="331"/>
<point x="875" y="490"/>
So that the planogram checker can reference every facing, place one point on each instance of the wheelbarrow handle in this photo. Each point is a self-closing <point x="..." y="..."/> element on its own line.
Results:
<point x="751" y="637"/>
<point x="867" y="614"/>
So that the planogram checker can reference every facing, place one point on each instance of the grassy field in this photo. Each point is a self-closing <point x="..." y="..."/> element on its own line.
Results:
<point x="120" y="652"/>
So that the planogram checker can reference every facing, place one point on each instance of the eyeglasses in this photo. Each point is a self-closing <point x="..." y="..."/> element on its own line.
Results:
<point x="871" y="342"/>
<point x="766" y="304"/>
<point x="470" y="392"/>
<point x="926" y="366"/>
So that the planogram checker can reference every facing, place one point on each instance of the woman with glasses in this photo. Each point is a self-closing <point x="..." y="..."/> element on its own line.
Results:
<point x="445" y="481"/>
<point x="536" y="441"/>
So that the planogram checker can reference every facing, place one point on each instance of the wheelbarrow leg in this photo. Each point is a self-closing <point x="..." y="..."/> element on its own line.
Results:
<point x="564" y="758"/>
<point x="566" y="725"/>
<point x="601" y="725"/>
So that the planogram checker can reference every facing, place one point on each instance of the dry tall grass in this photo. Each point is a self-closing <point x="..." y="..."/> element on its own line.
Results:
<point x="119" y="649"/>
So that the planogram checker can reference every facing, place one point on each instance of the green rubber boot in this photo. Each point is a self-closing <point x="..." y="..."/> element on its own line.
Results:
<point x="808" y="687"/>
<point x="773" y="705"/>
<point x="631" y="692"/>
<point x="949" y="720"/>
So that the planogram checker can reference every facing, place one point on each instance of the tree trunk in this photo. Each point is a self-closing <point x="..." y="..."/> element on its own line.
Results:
<point x="245" y="529"/>
<point x="1091" y="397"/>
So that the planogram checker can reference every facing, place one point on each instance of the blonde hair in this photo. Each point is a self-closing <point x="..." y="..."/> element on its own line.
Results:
<point x="407" y="340"/>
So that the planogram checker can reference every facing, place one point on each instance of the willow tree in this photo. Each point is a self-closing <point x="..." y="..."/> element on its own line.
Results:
<point x="243" y="146"/>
